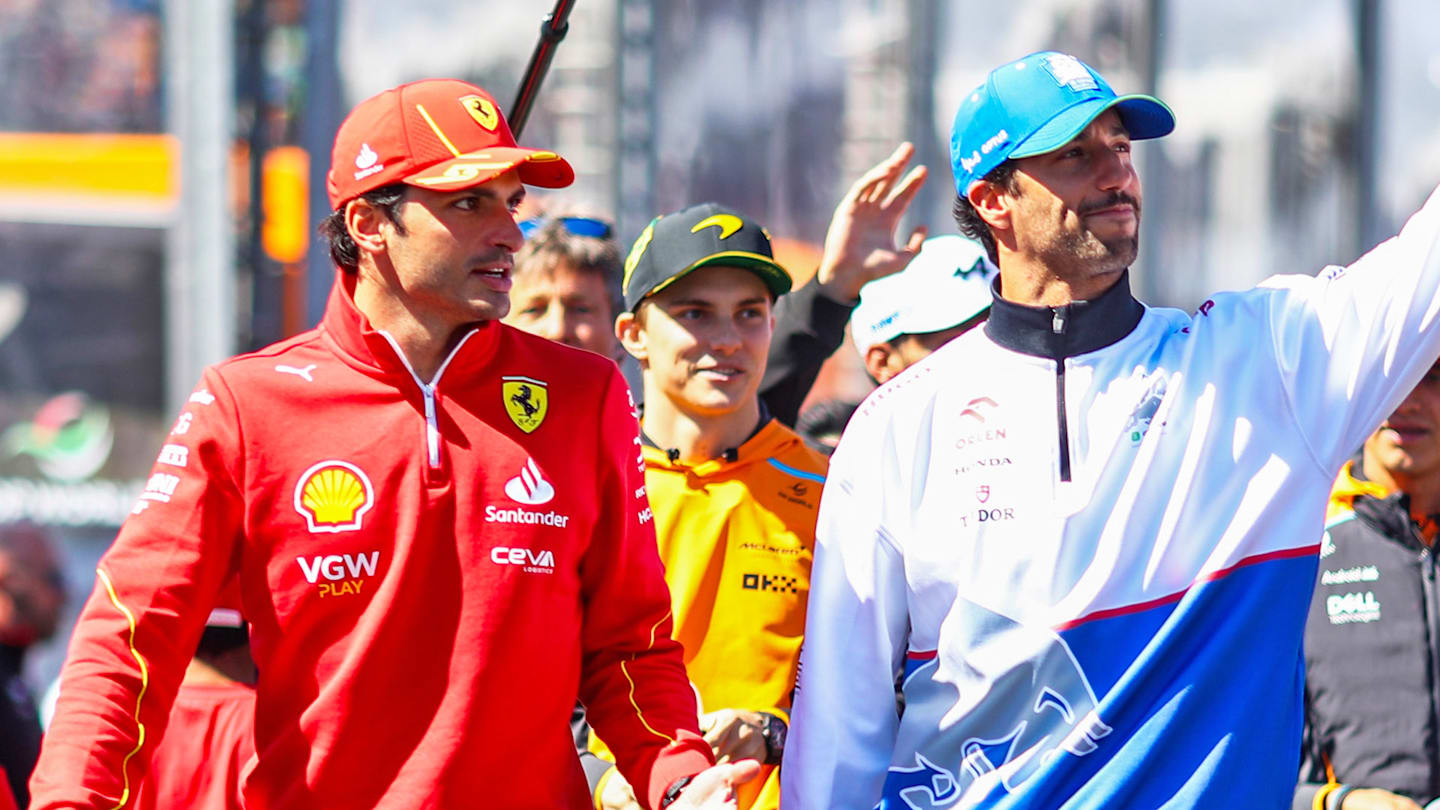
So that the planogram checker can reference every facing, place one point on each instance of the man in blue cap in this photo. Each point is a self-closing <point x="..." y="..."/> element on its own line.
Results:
<point x="1087" y="533"/>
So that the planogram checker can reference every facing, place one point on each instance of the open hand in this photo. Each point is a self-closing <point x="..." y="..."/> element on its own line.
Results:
<point x="860" y="244"/>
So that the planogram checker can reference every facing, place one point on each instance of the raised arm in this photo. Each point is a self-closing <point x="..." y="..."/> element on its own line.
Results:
<point x="1352" y="343"/>
<point x="859" y="247"/>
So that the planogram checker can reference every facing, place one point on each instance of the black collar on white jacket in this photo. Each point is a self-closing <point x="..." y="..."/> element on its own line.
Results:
<point x="1079" y="327"/>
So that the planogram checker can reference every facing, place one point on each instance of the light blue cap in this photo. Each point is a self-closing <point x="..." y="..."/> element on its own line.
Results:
<point x="1036" y="105"/>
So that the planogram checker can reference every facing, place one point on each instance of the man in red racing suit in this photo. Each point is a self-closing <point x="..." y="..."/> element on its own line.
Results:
<point x="438" y="523"/>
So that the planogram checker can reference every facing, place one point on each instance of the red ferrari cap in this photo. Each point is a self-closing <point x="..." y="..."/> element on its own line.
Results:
<point x="440" y="134"/>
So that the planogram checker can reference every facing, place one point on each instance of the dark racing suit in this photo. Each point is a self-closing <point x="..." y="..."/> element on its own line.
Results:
<point x="1372" y="646"/>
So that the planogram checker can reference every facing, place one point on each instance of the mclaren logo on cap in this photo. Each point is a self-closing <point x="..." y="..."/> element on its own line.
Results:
<point x="333" y="496"/>
<point x="526" y="401"/>
<point x="727" y="223"/>
<point x="482" y="110"/>
<point x="636" y="252"/>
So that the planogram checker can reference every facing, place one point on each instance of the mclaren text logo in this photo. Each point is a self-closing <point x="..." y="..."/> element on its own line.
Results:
<point x="532" y="562"/>
<point x="333" y="496"/>
<point x="339" y="574"/>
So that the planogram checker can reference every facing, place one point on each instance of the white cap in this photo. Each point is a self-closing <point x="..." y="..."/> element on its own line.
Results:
<point x="945" y="285"/>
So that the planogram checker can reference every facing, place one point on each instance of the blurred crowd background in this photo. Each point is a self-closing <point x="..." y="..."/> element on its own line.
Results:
<point x="161" y="163"/>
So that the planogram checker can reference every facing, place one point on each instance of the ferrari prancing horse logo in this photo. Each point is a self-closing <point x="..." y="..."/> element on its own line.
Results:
<point x="482" y="110"/>
<point x="526" y="401"/>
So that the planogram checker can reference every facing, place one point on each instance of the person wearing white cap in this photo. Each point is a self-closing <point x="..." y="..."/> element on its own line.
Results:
<point x="941" y="295"/>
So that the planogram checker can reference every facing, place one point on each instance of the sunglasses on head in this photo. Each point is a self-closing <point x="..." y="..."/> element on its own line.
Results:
<point x="579" y="226"/>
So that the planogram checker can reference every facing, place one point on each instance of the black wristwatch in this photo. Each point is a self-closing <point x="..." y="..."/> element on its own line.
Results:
<point x="774" y="733"/>
<point x="673" y="792"/>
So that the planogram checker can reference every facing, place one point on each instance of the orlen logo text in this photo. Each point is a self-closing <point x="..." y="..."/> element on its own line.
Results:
<point x="342" y="574"/>
<point x="534" y="562"/>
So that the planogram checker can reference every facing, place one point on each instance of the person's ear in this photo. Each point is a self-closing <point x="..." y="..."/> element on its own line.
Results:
<point x="993" y="202"/>
<point x="877" y="362"/>
<point x="368" y="224"/>
<point x="630" y="331"/>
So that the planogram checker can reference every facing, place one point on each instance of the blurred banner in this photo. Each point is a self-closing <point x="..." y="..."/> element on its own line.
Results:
<point x="86" y="187"/>
<point x="82" y="356"/>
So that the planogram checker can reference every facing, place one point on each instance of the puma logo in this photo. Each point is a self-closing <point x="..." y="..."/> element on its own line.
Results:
<point x="298" y="372"/>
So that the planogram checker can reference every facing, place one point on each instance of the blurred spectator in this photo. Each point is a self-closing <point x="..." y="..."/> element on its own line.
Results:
<point x="570" y="267"/>
<point x="823" y="423"/>
<point x="87" y="66"/>
<point x="32" y="594"/>
<point x="901" y="319"/>
<point x="211" y="735"/>
<point x="733" y="492"/>
<point x="1371" y="719"/>
<point x="567" y="282"/>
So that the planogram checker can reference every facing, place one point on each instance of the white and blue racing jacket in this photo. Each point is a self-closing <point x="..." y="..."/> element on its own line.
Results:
<point x="1088" y="536"/>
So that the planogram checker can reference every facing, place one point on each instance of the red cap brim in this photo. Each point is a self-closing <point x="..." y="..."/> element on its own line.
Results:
<point x="536" y="166"/>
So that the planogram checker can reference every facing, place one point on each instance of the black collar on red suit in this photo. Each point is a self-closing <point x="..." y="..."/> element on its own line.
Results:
<point x="1079" y="327"/>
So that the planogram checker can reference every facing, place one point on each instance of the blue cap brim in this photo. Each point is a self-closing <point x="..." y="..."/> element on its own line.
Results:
<point x="1144" y="117"/>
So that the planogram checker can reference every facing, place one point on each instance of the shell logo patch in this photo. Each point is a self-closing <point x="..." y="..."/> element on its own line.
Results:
<point x="526" y="401"/>
<point x="333" y="496"/>
<point x="482" y="110"/>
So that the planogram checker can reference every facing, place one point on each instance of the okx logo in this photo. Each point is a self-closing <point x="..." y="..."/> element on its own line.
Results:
<point x="529" y="487"/>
